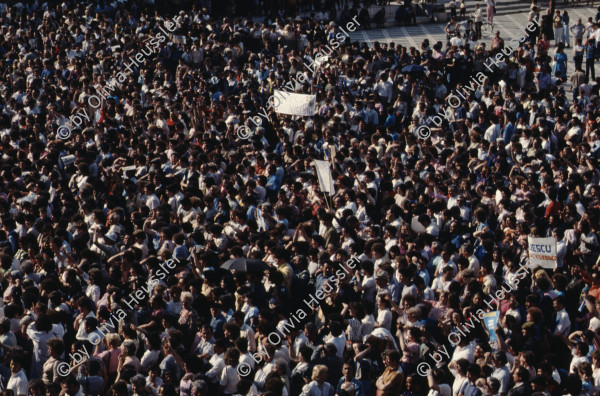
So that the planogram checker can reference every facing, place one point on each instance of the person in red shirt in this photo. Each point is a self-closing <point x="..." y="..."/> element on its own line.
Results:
<point x="543" y="46"/>
<point x="555" y="206"/>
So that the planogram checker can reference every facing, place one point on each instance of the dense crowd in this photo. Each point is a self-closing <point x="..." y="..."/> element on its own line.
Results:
<point x="158" y="172"/>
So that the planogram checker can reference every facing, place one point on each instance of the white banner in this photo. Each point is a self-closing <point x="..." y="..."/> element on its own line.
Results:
<point x="325" y="177"/>
<point x="294" y="104"/>
<point x="542" y="252"/>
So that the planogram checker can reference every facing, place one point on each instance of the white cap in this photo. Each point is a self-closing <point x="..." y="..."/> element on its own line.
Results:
<point x="112" y="236"/>
<point x="594" y="324"/>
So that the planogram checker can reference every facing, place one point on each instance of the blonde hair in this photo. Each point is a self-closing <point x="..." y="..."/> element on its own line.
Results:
<point x="542" y="274"/>
<point x="317" y="370"/>
<point x="187" y="295"/>
<point x="113" y="340"/>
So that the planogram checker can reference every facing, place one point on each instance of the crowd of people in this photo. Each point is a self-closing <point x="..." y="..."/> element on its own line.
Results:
<point x="159" y="175"/>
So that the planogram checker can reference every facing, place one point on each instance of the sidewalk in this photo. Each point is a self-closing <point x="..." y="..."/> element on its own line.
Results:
<point x="503" y="7"/>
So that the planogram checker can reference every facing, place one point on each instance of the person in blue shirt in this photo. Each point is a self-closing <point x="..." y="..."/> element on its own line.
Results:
<point x="469" y="388"/>
<point x="390" y="121"/>
<point x="272" y="180"/>
<point x="590" y="55"/>
<point x="566" y="25"/>
<point x="560" y="62"/>
<point x="279" y="172"/>
<point x="509" y="128"/>
<point x="217" y="321"/>
<point x="348" y="371"/>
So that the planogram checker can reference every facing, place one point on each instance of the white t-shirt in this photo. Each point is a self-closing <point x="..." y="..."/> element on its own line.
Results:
<point x="18" y="383"/>
<point x="503" y="375"/>
<point x="229" y="379"/>
<point x="369" y="288"/>
<point x="466" y="352"/>
<point x="150" y="358"/>
<point x="339" y="342"/>
<point x="458" y="383"/>
<point x="384" y="318"/>
<point x="445" y="390"/>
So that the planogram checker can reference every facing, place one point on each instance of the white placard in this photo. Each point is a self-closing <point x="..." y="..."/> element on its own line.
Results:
<point x="325" y="177"/>
<point x="68" y="159"/>
<point x="542" y="252"/>
<point x="295" y="104"/>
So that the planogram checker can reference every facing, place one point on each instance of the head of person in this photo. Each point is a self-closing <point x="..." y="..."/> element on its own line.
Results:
<point x="199" y="388"/>
<point x="70" y="386"/>
<point x="17" y="362"/>
<point x="319" y="373"/>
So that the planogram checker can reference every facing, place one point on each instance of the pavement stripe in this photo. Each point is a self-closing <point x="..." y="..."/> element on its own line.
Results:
<point x="409" y="38"/>
<point x="583" y="17"/>
<point x="365" y="35"/>
<point x="388" y="39"/>
<point x="432" y="39"/>
<point x="504" y="31"/>
<point x="517" y="23"/>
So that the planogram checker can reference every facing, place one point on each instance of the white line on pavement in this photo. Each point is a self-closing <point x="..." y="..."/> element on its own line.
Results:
<point x="388" y="39"/>
<point x="432" y="39"/>
<point x="410" y="40"/>
<point x="500" y="26"/>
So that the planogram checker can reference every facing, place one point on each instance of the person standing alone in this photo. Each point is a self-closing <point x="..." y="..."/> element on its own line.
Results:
<point x="491" y="10"/>
<point x="590" y="55"/>
<point x="566" y="32"/>
<point x="558" y="28"/>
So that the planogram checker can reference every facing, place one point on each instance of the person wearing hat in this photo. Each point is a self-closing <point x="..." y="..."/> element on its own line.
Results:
<point x="384" y="285"/>
<point x="108" y="246"/>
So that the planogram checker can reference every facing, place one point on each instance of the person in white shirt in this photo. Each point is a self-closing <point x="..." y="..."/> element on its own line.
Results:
<point x="384" y="315"/>
<point x="318" y="386"/>
<point x="217" y="361"/>
<point x="436" y="387"/>
<point x="431" y="228"/>
<point x="563" y="323"/>
<point x="152" y="354"/>
<point x="501" y="372"/>
<point x="337" y="337"/>
<point x="467" y="252"/>
<point x="442" y="283"/>
<point x="245" y="330"/>
<point x="368" y="284"/>
<point x="229" y="375"/>
<point x="464" y="350"/>
<point x="384" y="89"/>
<point x="18" y="380"/>
<point x="261" y="374"/>
<point x="246" y="358"/>
<point x="204" y="346"/>
<point x="494" y="131"/>
<point x="84" y="305"/>
<point x="561" y="247"/>
<point x="453" y="196"/>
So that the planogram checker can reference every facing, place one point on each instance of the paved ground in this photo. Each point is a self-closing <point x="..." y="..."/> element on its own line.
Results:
<point x="508" y="25"/>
